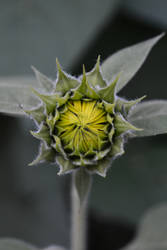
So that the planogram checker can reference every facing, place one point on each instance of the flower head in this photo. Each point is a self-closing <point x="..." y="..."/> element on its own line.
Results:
<point x="81" y="122"/>
<point x="82" y="127"/>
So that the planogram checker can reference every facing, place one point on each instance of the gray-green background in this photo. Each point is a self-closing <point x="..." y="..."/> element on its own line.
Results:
<point x="34" y="201"/>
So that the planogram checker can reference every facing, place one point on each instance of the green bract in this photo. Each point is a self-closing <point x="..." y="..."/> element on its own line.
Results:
<point x="81" y="121"/>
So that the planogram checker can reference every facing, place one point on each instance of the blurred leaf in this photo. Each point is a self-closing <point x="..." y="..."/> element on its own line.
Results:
<point x="12" y="244"/>
<point x="20" y="80"/>
<point x="151" y="116"/>
<point x="153" y="231"/>
<point x="148" y="11"/>
<point x="28" y="45"/>
<point x="16" y="94"/>
<point x="54" y="248"/>
<point x="136" y="181"/>
<point x="127" y="61"/>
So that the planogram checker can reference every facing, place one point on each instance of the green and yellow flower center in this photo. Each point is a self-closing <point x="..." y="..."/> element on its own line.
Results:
<point x="82" y="127"/>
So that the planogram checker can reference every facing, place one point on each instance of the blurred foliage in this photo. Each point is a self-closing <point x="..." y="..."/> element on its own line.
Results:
<point x="36" y="32"/>
<point x="151" y="234"/>
<point x="13" y="244"/>
<point x="150" y="11"/>
<point x="152" y="231"/>
<point x="135" y="182"/>
<point x="35" y="201"/>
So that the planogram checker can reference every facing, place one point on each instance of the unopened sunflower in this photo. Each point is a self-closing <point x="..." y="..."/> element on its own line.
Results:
<point x="82" y="123"/>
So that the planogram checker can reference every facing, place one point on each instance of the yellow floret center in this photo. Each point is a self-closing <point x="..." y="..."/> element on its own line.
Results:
<point x="82" y="127"/>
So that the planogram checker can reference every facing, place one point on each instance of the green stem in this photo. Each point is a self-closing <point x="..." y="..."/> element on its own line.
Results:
<point x="79" y="213"/>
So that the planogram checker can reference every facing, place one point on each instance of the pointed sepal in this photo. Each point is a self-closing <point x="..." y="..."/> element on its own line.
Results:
<point x="125" y="106"/>
<point x="65" y="165"/>
<point x="45" y="83"/>
<point x="58" y="146"/>
<point x="51" y="120"/>
<point x="110" y="119"/>
<point x="111" y="134"/>
<point x="95" y="78"/>
<point x="45" y="154"/>
<point x="123" y="126"/>
<point x="101" y="167"/>
<point x="101" y="154"/>
<point x="117" y="148"/>
<point x="64" y="82"/>
<point x="84" y="90"/>
<point x="83" y="161"/>
<point x="52" y="101"/>
<point x="37" y="114"/>
<point x="108" y="93"/>
<point x="109" y="107"/>
<point x="42" y="134"/>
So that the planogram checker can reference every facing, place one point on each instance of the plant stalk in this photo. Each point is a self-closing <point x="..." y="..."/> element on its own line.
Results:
<point x="79" y="219"/>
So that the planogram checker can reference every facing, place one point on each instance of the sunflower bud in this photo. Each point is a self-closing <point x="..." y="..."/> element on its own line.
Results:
<point x="81" y="122"/>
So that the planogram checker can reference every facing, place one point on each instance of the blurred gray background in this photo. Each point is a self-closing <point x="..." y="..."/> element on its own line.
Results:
<point x="34" y="201"/>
